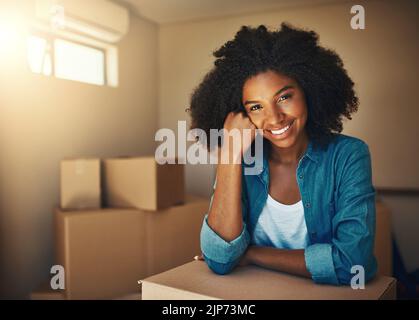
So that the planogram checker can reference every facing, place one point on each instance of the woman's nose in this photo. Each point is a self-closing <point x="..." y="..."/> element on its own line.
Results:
<point x="274" y="116"/>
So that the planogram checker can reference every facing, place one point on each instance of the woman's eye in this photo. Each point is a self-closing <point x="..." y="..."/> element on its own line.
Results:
<point x="255" y="107"/>
<point x="284" y="97"/>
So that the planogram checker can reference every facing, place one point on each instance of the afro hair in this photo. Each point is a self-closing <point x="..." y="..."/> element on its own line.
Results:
<point x="289" y="51"/>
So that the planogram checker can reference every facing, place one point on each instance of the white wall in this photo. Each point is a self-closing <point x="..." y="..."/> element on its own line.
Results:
<point x="382" y="60"/>
<point x="44" y="119"/>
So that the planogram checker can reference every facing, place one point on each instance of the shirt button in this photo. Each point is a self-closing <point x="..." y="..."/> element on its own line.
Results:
<point x="308" y="205"/>
<point x="301" y="176"/>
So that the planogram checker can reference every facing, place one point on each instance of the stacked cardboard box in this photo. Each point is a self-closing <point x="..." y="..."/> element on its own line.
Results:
<point x="143" y="183"/>
<point x="125" y="182"/>
<point x="383" y="248"/>
<point x="44" y="292"/>
<point x="148" y="224"/>
<point x="104" y="252"/>
<point x="80" y="184"/>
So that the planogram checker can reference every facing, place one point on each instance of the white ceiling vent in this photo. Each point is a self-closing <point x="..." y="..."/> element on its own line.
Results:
<point x="100" y="19"/>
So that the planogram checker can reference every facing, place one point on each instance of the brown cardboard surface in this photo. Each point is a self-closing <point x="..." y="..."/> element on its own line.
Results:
<point x="140" y="182"/>
<point x="194" y="280"/>
<point x="132" y="296"/>
<point x="44" y="292"/>
<point x="173" y="234"/>
<point x="383" y="249"/>
<point x="391" y="292"/>
<point x="80" y="184"/>
<point x="104" y="252"/>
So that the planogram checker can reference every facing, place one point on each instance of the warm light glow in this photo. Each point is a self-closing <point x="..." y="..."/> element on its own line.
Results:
<point x="9" y="34"/>
<point x="38" y="58"/>
<point x="78" y="62"/>
<point x="13" y="35"/>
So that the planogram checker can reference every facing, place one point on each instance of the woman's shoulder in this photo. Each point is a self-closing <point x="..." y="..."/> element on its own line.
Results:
<point x="346" y="144"/>
<point x="343" y="151"/>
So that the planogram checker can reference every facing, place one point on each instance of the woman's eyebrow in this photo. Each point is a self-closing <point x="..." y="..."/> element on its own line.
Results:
<point x="276" y="93"/>
<point x="283" y="89"/>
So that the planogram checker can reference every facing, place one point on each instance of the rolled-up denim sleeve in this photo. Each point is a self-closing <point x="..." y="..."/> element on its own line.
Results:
<point x="221" y="255"/>
<point x="353" y="225"/>
<point x="319" y="262"/>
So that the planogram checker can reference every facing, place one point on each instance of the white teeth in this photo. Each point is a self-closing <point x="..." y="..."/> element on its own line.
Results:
<point x="281" y="131"/>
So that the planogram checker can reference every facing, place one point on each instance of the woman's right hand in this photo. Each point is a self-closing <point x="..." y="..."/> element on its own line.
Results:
<point x="240" y="121"/>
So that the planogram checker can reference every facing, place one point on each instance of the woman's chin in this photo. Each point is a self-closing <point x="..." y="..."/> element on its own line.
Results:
<point x="282" y="143"/>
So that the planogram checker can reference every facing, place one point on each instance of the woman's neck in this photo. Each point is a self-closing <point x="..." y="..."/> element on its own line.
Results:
<point x="290" y="155"/>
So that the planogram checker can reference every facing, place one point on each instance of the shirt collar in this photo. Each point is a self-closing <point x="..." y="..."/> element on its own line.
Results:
<point x="313" y="151"/>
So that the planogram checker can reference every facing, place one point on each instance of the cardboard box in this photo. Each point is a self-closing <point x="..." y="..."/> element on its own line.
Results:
<point x="173" y="234"/>
<point x="102" y="251"/>
<point x="105" y="252"/>
<point x="140" y="182"/>
<point x="194" y="280"/>
<point x="132" y="296"/>
<point x="383" y="248"/>
<point x="44" y="292"/>
<point x="80" y="184"/>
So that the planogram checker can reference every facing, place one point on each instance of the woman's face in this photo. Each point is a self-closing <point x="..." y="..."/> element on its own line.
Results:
<point x="276" y="104"/>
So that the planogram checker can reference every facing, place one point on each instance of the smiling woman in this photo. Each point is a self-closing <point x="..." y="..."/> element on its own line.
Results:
<point x="311" y="210"/>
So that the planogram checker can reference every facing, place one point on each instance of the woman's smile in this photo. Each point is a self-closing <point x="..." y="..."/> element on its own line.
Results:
<point x="280" y="132"/>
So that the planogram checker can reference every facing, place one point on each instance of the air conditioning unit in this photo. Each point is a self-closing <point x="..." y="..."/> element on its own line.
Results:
<point x="99" y="19"/>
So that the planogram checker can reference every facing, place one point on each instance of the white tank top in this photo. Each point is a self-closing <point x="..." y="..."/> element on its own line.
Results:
<point x="281" y="226"/>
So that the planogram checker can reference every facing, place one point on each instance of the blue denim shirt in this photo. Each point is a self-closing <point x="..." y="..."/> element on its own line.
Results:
<point x="339" y="208"/>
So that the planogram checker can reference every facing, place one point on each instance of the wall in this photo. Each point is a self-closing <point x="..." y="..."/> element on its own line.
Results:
<point x="382" y="60"/>
<point x="44" y="119"/>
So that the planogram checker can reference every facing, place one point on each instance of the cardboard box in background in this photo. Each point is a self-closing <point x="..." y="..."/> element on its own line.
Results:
<point x="140" y="182"/>
<point x="194" y="280"/>
<point x="80" y="184"/>
<point x="173" y="234"/>
<point x="44" y="292"/>
<point x="383" y="248"/>
<point x="105" y="252"/>
<point x="102" y="251"/>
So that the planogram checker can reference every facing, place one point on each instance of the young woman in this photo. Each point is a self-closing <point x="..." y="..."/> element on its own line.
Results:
<point x="311" y="210"/>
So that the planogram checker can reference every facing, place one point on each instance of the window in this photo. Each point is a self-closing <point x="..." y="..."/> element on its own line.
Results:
<point x="65" y="59"/>
<point x="78" y="62"/>
<point x="39" y="55"/>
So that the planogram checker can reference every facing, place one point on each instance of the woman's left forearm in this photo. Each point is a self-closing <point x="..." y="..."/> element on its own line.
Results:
<point x="289" y="261"/>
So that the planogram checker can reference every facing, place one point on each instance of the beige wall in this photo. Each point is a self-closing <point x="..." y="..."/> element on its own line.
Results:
<point x="382" y="60"/>
<point x="42" y="120"/>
